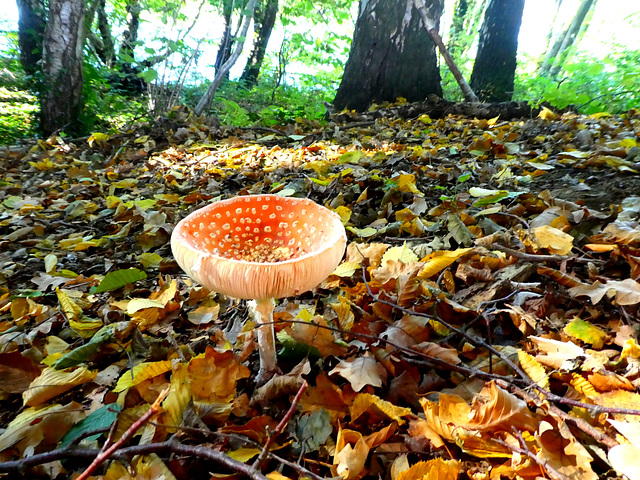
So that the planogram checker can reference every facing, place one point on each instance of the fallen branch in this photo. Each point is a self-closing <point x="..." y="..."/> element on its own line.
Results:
<point x="281" y="426"/>
<point x="122" y="454"/>
<point x="107" y="452"/>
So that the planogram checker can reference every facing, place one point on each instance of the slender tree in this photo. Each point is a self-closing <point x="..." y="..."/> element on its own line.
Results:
<point x="264" y="20"/>
<point x="205" y="102"/>
<point x="557" y="54"/>
<point x="391" y="55"/>
<point x="494" y="69"/>
<point x="61" y="100"/>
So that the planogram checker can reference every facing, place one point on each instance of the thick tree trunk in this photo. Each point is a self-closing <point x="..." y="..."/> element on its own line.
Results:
<point x="391" y="55"/>
<point x="31" y="26"/>
<point x="495" y="65"/>
<point x="61" y="100"/>
<point x="266" y="21"/>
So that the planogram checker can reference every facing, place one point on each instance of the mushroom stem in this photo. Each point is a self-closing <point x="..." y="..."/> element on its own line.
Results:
<point x="262" y="311"/>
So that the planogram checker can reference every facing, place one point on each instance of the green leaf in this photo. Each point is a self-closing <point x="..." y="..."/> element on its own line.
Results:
<point x="351" y="157"/>
<point x="148" y="75"/>
<point x="102" y="418"/>
<point x="313" y="430"/>
<point x="119" y="278"/>
<point x="586" y="332"/>
<point x="83" y="353"/>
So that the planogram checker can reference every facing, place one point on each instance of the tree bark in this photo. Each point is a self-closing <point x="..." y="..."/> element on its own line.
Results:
<point x="494" y="69"/>
<point x="254" y="62"/>
<point x="61" y="99"/>
<point x="391" y="55"/>
<point x="31" y="26"/>
<point x="108" y="51"/>
<point x="226" y="42"/>
<point x="205" y="102"/>
<point x="130" y="35"/>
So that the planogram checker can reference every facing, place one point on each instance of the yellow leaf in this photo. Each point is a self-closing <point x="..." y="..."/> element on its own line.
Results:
<point x="532" y="368"/>
<point x="346" y="269"/>
<point x="556" y="241"/>
<point x="52" y="383"/>
<point x="546" y="114"/>
<point x="244" y="454"/>
<point x="366" y="402"/>
<point x="406" y="183"/>
<point x="585" y="332"/>
<point x="178" y="398"/>
<point x="344" y="213"/>
<point x="400" y="254"/>
<point x="438" y="261"/>
<point x="436" y="469"/>
<point x="69" y="308"/>
<point x="630" y="349"/>
<point x="351" y="454"/>
<point x="363" y="232"/>
<point x="138" y="304"/>
<point x="35" y="425"/>
<point x="140" y="373"/>
<point x="583" y="386"/>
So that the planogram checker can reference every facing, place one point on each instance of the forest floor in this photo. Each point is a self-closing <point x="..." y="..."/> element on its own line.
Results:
<point x="483" y="323"/>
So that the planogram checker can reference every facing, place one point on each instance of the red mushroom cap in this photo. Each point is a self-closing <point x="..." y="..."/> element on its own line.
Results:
<point x="259" y="246"/>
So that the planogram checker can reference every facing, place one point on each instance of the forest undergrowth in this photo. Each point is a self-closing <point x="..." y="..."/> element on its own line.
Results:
<point x="483" y="323"/>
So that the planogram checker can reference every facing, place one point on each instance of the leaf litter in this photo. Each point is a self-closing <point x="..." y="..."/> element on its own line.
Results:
<point x="483" y="324"/>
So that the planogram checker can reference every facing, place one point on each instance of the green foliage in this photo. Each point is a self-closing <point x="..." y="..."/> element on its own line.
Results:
<point x="588" y="83"/>
<point x="264" y="105"/>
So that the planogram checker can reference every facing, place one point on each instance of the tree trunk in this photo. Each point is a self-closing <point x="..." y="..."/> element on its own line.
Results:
<point x="226" y="42"/>
<point x="391" y="55"/>
<point x="204" y="104"/>
<point x="31" y="26"/>
<point x="130" y="35"/>
<point x="61" y="100"/>
<point x="108" y="51"/>
<point x="254" y="62"/>
<point x="495" y="65"/>
<point x="570" y="36"/>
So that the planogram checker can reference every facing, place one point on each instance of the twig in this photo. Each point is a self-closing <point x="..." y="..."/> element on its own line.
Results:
<point x="580" y="423"/>
<point x="281" y="426"/>
<point x="540" y="258"/>
<point x="127" y="452"/>
<point x="524" y="450"/>
<point x="103" y="455"/>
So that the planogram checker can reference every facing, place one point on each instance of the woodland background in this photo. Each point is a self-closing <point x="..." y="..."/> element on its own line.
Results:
<point x="483" y="323"/>
<point x="137" y="59"/>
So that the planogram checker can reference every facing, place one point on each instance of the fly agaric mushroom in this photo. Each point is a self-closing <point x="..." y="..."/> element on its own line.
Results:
<point x="260" y="247"/>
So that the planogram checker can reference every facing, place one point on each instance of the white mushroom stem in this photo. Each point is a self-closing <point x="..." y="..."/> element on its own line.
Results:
<point x="262" y="311"/>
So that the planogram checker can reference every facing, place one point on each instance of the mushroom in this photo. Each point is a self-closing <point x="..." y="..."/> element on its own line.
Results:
<point x="260" y="247"/>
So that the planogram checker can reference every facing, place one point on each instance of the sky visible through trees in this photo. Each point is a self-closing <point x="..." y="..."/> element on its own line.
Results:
<point x="614" y="23"/>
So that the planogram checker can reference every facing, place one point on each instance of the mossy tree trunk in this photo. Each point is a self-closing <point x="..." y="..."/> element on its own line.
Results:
<point x="391" y="55"/>
<point x="61" y="98"/>
<point x="494" y="69"/>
